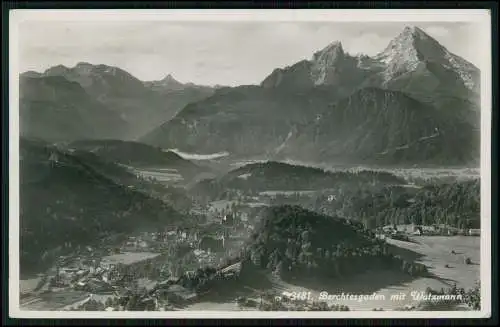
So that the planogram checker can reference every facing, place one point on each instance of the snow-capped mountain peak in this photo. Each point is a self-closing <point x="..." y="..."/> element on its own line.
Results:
<point x="403" y="54"/>
<point x="411" y="51"/>
<point x="169" y="78"/>
<point x="326" y="62"/>
<point x="331" y="52"/>
<point x="413" y="47"/>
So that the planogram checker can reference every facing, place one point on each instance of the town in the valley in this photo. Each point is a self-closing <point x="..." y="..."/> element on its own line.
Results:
<point x="150" y="265"/>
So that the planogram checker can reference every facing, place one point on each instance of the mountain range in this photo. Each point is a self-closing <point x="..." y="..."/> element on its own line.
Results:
<point x="413" y="103"/>
<point x="412" y="62"/>
<point x="131" y="107"/>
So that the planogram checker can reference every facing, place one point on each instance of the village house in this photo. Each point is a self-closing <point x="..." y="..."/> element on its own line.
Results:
<point x="474" y="232"/>
<point x="209" y="243"/>
<point x="429" y="230"/>
<point x="417" y="230"/>
<point x="228" y="219"/>
<point x="177" y="293"/>
<point x="231" y="270"/>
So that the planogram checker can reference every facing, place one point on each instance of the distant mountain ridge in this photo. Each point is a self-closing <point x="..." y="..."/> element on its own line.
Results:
<point x="140" y="105"/>
<point x="56" y="109"/>
<point x="345" y="109"/>
<point x="169" y="84"/>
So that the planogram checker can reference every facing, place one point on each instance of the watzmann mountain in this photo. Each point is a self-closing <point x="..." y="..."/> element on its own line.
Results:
<point x="412" y="62"/>
<point x="414" y="102"/>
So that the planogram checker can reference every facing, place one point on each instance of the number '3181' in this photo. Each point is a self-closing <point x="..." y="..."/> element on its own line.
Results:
<point x="301" y="296"/>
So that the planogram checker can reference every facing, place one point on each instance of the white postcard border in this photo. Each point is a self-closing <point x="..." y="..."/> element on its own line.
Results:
<point x="481" y="17"/>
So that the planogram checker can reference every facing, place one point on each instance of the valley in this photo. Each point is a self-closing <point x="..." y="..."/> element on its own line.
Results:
<point x="245" y="206"/>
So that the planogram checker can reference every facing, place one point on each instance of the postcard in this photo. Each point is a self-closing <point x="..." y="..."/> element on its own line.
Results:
<point x="250" y="163"/>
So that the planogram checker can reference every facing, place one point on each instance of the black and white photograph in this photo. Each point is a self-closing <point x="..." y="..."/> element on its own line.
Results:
<point x="250" y="163"/>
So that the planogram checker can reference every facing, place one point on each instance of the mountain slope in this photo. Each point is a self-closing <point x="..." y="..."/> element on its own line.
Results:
<point x="65" y="198"/>
<point x="415" y="102"/>
<point x="376" y="125"/>
<point x="136" y="102"/>
<point x="245" y="120"/>
<point x="331" y="66"/>
<point x="55" y="109"/>
<point x="370" y="126"/>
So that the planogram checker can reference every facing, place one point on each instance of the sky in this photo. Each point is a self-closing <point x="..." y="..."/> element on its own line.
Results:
<point x="208" y="53"/>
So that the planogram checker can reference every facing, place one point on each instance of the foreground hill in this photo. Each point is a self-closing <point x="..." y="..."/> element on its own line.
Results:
<point x="277" y="176"/>
<point x="414" y="103"/>
<point x="73" y="199"/>
<point x="292" y="241"/>
<point x="56" y="109"/>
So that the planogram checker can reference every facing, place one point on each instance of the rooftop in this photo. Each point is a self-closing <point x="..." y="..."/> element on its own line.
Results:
<point x="128" y="257"/>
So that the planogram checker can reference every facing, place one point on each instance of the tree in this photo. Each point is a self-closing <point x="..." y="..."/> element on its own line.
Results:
<point x="109" y="302"/>
<point x="305" y="235"/>
<point x="280" y="269"/>
<point x="133" y="303"/>
<point x="405" y="266"/>
<point x="255" y="256"/>
<point x="289" y="253"/>
<point x="327" y="255"/>
<point x="273" y="260"/>
<point x="473" y="297"/>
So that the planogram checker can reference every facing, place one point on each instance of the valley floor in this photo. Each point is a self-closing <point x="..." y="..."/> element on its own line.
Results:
<point x="434" y="251"/>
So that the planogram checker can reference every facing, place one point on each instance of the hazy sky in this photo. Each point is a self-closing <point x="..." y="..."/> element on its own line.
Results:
<point x="227" y="53"/>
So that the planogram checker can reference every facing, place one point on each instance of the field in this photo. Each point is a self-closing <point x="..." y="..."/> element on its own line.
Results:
<point x="434" y="251"/>
<point x="198" y="156"/>
<point x="160" y="175"/>
<point x="300" y="192"/>
<point x="29" y="284"/>
<point x="222" y="204"/>
<point x="128" y="257"/>
<point x="56" y="300"/>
